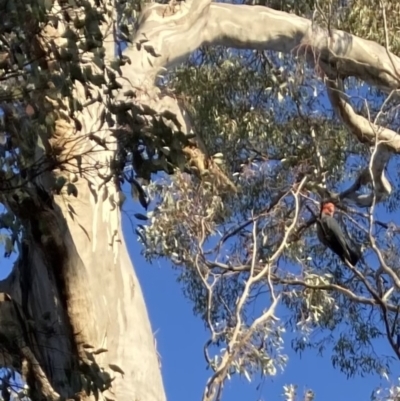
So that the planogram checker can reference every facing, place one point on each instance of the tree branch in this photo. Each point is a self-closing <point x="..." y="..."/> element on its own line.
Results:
<point x="166" y="38"/>
<point x="366" y="132"/>
<point x="170" y="40"/>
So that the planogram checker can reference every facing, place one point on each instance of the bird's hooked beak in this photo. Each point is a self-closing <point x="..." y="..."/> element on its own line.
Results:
<point x="328" y="208"/>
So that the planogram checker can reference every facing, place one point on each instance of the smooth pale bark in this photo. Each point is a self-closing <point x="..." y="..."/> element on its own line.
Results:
<point x="121" y="323"/>
<point x="167" y="36"/>
<point x="74" y="285"/>
<point x="386" y="141"/>
<point x="98" y="275"/>
<point x="174" y="37"/>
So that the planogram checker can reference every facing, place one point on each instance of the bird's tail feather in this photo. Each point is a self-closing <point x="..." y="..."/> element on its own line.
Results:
<point x="355" y="255"/>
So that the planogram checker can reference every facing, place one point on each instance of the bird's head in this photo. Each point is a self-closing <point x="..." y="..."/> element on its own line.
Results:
<point x="328" y="208"/>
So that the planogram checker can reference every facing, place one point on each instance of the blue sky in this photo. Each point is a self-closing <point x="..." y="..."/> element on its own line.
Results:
<point x="181" y="336"/>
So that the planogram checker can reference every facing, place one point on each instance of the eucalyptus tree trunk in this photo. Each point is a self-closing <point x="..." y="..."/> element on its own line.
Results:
<point x="72" y="314"/>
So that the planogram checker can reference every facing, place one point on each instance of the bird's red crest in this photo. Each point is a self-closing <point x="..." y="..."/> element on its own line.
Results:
<point x="328" y="208"/>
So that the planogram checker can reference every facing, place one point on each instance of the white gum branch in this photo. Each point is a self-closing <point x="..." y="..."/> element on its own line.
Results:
<point x="386" y="140"/>
<point x="167" y="35"/>
<point x="170" y="39"/>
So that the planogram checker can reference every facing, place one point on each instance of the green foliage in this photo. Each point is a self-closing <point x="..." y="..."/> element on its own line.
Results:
<point x="267" y="120"/>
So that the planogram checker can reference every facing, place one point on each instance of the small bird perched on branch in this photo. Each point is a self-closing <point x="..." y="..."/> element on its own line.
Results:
<point x="332" y="236"/>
